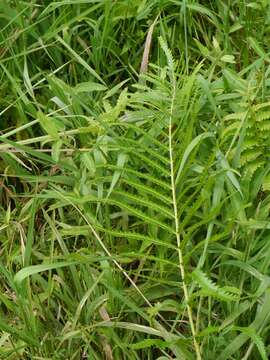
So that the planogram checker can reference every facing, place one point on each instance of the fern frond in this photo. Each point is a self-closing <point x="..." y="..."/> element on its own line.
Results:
<point x="255" y="338"/>
<point x="145" y="202"/>
<point x="264" y="115"/>
<point x="152" y="191"/>
<point x="264" y="125"/>
<point x="249" y="155"/>
<point x="147" y="149"/>
<point x="255" y="134"/>
<point x="148" y="190"/>
<point x="231" y="129"/>
<point x="127" y="235"/>
<point x="152" y="164"/>
<point x="260" y="106"/>
<point x="131" y="210"/>
<point x="266" y="183"/>
<point x="140" y="175"/>
<point x="250" y="142"/>
<point x="252" y="167"/>
<point x="169" y="57"/>
<point x="171" y="148"/>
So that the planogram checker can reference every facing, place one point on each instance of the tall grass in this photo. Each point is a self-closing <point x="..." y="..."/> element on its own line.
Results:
<point x="134" y="203"/>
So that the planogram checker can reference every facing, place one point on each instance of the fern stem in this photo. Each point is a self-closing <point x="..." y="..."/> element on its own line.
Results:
<point x="178" y="238"/>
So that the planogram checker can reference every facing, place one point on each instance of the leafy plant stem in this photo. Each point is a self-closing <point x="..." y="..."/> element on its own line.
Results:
<point x="176" y="221"/>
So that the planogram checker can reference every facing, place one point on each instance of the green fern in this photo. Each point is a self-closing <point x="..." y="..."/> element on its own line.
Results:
<point x="255" y="339"/>
<point x="149" y="194"/>
<point x="254" y="127"/>
<point x="209" y="288"/>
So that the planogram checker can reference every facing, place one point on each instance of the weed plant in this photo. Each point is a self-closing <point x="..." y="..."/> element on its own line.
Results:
<point x="135" y="178"/>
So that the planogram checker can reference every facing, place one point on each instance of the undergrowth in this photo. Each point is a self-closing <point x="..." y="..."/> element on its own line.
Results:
<point x="135" y="180"/>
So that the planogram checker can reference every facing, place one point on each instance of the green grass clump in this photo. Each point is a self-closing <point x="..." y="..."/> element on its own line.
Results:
<point x="135" y="178"/>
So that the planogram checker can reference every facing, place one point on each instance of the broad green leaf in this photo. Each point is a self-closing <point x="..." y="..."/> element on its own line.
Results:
<point x="89" y="162"/>
<point x="228" y="59"/>
<point x="35" y="269"/>
<point x="188" y="151"/>
<point x="89" y="87"/>
<point x="256" y="47"/>
<point x="49" y="124"/>
<point x="121" y="160"/>
<point x="149" y="343"/>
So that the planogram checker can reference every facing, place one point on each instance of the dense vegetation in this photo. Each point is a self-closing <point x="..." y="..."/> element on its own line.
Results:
<point x="135" y="179"/>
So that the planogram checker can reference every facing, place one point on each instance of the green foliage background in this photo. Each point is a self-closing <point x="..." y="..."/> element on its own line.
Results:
<point x="134" y="212"/>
